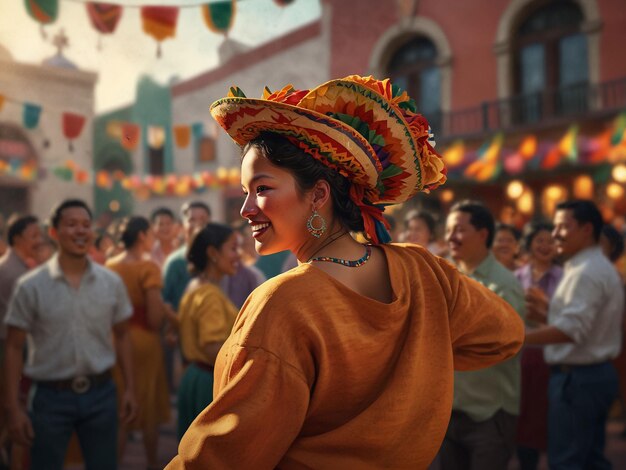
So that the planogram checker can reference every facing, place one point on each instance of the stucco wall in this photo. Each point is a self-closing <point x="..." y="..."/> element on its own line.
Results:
<point x="56" y="91"/>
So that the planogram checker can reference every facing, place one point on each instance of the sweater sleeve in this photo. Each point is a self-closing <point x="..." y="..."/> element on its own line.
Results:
<point x="484" y="328"/>
<point x="259" y="409"/>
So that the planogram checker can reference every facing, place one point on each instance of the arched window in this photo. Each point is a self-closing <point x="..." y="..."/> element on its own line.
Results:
<point x="413" y="68"/>
<point x="551" y="61"/>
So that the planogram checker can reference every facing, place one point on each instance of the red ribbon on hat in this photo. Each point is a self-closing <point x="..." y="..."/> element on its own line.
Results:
<point x="371" y="214"/>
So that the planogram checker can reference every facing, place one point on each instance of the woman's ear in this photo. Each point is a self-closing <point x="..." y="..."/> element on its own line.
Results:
<point x="320" y="193"/>
<point x="212" y="253"/>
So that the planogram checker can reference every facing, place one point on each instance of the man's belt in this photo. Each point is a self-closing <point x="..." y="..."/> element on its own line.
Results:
<point x="79" y="384"/>
<point x="567" y="368"/>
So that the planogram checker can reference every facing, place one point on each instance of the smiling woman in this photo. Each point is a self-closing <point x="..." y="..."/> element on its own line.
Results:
<point x="332" y="364"/>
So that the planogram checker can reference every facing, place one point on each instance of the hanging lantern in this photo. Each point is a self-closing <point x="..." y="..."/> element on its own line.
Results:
<point x="525" y="203"/>
<point x="43" y="12"/>
<point x="160" y="23"/>
<point x="72" y="127"/>
<point x="615" y="191"/>
<point x="219" y="16"/>
<point x="515" y="189"/>
<point x="619" y="173"/>
<point x="583" y="187"/>
<point x="104" y="18"/>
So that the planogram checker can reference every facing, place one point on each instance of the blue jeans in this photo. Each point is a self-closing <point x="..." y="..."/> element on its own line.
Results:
<point x="56" y="414"/>
<point x="579" y="402"/>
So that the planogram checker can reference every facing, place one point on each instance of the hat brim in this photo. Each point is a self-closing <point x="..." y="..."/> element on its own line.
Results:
<point x="341" y="146"/>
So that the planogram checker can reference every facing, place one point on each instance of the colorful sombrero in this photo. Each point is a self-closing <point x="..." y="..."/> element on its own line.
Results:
<point x="366" y="129"/>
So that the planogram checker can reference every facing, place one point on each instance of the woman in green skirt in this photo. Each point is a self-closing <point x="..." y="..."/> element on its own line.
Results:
<point x="206" y="317"/>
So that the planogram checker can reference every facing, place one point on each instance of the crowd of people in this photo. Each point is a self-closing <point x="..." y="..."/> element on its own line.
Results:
<point x="332" y="349"/>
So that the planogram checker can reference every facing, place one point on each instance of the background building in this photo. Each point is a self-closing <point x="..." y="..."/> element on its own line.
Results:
<point x="525" y="96"/>
<point x="45" y="118"/>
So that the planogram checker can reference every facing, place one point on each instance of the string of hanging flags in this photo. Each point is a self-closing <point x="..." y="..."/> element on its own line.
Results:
<point x="157" y="21"/>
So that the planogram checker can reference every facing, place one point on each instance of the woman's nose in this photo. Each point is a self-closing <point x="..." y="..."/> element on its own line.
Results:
<point x="248" y="207"/>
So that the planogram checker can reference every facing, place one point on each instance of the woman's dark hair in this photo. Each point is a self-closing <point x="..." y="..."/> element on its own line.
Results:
<point x="616" y="241"/>
<point x="501" y="226"/>
<point x="532" y="229"/>
<point x="132" y="228"/>
<point x="307" y="171"/>
<point x="212" y="234"/>
<point x="425" y="217"/>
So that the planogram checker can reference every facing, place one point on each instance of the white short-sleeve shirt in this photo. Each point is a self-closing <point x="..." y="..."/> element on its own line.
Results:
<point x="69" y="331"/>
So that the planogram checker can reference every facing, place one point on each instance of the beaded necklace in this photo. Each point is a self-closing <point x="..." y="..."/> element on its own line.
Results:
<point x="344" y="262"/>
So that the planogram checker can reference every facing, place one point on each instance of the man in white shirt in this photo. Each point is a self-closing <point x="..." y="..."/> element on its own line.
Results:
<point x="74" y="314"/>
<point x="582" y="335"/>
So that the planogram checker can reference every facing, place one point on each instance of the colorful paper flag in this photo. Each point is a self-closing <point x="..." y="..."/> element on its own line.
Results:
<point x="219" y="16"/>
<point x="182" y="136"/>
<point x="30" y="115"/>
<point x="160" y="23"/>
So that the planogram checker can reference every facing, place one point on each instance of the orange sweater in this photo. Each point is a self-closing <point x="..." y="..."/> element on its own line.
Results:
<point x="317" y="376"/>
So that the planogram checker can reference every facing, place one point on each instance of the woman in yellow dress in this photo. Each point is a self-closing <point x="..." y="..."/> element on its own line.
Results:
<point x="142" y="278"/>
<point x="206" y="317"/>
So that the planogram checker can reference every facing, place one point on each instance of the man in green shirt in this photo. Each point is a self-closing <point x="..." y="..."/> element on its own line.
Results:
<point x="482" y="429"/>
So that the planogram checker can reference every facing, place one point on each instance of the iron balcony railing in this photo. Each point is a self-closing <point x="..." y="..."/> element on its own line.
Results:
<point x="566" y="103"/>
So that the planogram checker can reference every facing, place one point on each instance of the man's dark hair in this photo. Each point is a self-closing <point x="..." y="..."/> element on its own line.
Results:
<point x="18" y="225"/>
<point x="195" y="205"/>
<point x="57" y="212"/>
<point x="585" y="212"/>
<point x="480" y="217"/>
<point x="162" y="211"/>
<point x="424" y="216"/>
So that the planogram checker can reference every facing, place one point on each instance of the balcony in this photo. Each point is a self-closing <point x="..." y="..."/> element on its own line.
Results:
<point x="529" y="112"/>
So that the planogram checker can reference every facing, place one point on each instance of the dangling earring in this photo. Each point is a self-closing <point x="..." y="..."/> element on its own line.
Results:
<point x="316" y="231"/>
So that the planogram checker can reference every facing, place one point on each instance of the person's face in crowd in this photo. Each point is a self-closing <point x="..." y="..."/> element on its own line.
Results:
<point x="275" y="208"/>
<point x="417" y="232"/>
<point x="29" y="241"/>
<point x="164" y="228"/>
<point x="226" y="259"/>
<point x="570" y="237"/>
<point x="195" y="219"/>
<point x="542" y="247"/>
<point x="106" y="244"/>
<point x="464" y="240"/>
<point x="505" y="247"/>
<point x="74" y="234"/>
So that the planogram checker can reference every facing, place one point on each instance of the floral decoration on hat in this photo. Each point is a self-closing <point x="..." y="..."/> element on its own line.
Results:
<point x="368" y="130"/>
